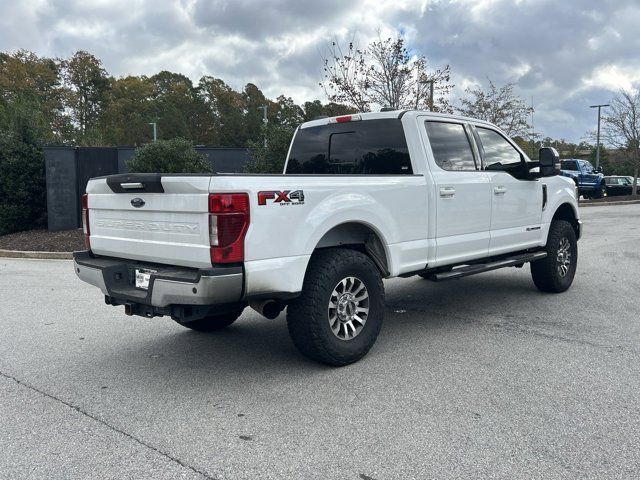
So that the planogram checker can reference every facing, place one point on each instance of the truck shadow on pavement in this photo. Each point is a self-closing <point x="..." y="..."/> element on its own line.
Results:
<point x="260" y="348"/>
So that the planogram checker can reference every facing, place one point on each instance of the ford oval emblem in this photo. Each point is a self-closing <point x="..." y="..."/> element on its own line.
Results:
<point x="137" y="202"/>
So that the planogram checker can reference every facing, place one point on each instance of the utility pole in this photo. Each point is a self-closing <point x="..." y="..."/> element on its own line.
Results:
<point x="533" y="133"/>
<point x="599" y="107"/>
<point x="155" y="130"/>
<point x="430" y="82"/>
<point x="265" y="120"/>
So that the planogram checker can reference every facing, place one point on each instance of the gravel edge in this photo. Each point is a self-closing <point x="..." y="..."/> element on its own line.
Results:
<point x="39" y="255"/>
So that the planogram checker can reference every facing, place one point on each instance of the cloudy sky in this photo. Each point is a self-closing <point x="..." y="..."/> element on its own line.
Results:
<point x="565" y="54"/>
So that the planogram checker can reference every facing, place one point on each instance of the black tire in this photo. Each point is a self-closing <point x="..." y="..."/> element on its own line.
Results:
<point x="213" y="323"/>
<point x="309" y="316"/>
<point x="548" y="273"/>
<point x="600" y="191"/>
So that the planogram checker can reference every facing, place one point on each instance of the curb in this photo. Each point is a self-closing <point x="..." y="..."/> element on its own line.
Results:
<point x="604" y="204"/>
<point x="38" y="255"/>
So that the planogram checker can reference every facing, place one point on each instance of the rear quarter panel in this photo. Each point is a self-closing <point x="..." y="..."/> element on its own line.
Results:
<point x="283" y="235"/>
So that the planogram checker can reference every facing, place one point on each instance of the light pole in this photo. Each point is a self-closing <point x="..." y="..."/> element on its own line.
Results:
<point x="264" y="121"/>
<point x="599" y="107"/>
<point x="430" y="82"/>
<point x="155" y="131"/>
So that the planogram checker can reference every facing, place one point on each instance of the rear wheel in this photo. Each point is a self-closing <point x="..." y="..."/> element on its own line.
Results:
<point x="601" y="191"/>
<point x="338" y="316"/>
<point x="555" y="272"/>
<point x="213" y="323"/>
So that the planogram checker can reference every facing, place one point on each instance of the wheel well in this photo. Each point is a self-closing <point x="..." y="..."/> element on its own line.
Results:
<point x="359" y="237"/>
<point x="566" y="212"/>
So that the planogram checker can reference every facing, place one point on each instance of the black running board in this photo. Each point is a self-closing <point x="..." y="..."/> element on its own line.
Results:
<point x="467" y="270"/>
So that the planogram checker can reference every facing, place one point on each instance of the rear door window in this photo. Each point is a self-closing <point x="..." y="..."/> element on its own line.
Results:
<point x="369" y="147"/>
<point x="450" y="146"/>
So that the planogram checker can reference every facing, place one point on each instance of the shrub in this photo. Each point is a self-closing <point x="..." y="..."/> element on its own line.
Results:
<point x="169" y="156"/>
<point x="23" y="192"/>
<point x="22" y="187"/>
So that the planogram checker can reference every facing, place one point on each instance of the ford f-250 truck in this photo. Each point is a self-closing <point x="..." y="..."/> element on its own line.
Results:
<point x="590" y="181"/>
<point x="362" y="197"/>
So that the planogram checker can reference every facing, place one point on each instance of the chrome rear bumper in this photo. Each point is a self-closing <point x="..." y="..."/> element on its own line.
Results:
<point x="115" y="277"/>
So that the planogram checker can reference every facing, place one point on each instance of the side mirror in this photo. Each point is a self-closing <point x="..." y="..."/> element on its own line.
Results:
<point x="598" y="169"/>
<point x="549" y="162"/>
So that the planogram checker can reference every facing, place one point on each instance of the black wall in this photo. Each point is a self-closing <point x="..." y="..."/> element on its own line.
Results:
<point x="68" y="169"/>
<point x="62" y="188"/>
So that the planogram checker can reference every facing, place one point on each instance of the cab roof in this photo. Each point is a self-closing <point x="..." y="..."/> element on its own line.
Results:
<point x="393" y="114"/>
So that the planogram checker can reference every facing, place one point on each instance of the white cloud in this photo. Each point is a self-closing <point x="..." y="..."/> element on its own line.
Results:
<point x="564" y="54"/>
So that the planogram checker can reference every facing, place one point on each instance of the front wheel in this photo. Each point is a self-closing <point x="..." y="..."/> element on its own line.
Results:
<point x="555" y="272"/>
<point x="338" y="316"/>
<point x="213" y="323"/>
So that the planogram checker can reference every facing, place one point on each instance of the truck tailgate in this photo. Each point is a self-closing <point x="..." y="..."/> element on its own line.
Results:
<point x="149" y="218"/>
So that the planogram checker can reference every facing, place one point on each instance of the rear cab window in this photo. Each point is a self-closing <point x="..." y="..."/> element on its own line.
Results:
<point x="366" y="147"/>
<point x="568" y="165"/>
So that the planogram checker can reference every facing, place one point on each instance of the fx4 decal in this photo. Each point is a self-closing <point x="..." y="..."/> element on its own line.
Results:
<point x="286" y="197"/>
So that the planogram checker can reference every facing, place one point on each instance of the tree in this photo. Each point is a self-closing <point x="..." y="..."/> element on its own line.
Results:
<point x="315" y="109"/>
<point x="385" y="73"/>
<point x="287" y="112"/>
<point x="253" y="100"/>
<point x="224" y="107"/>
<point x="608" y="167"/>
<point x="24" y="75"/>
<point x="621" y="127"/>
<point x="500" y="106"/>
<point x="86" y="85"/>
<point x="169" y="156"/>
<point x="270" y="158"/>
<point x="175" y="105"/>
<point x="126" y="117"/>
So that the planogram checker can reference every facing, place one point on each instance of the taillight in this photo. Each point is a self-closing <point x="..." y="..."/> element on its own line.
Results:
<point x="85" y="221"/>
<point x="228" y="224"/>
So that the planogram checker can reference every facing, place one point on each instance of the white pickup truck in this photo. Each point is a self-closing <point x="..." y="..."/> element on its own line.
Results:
<point x="362" y="197"/>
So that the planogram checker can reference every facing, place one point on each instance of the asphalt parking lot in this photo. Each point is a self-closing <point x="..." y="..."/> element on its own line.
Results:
<point x="483" y="377"/>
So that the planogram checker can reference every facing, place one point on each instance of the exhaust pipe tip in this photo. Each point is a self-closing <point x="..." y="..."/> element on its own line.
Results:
<point x="268" y="308"/>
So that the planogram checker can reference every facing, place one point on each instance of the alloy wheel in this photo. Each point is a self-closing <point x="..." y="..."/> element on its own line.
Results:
<point x="348" y="308"/>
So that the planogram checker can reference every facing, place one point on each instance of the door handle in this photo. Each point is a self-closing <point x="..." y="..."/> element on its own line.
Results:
<point x="447" y="192"/>
<point x="499" y="190"/>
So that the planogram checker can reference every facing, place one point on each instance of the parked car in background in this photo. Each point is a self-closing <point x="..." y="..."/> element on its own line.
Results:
<point x="637" y="181"/>
<point x="618" y="185"/>
<point x="590" y="181"/>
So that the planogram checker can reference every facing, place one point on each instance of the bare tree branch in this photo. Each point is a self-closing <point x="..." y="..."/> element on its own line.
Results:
<point x="621" y="127"/>
<point x="385" y="73"/>
<point x="500" y="106"/>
